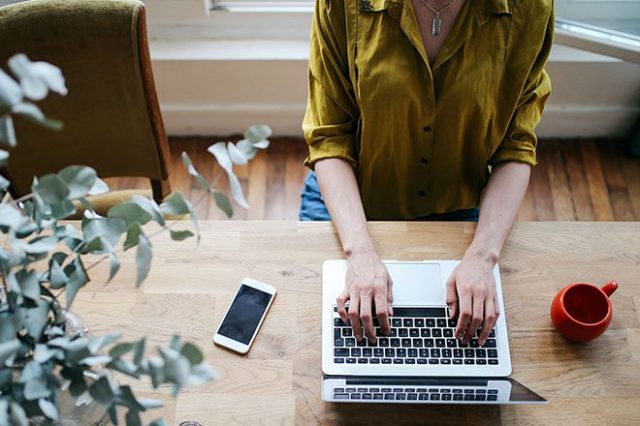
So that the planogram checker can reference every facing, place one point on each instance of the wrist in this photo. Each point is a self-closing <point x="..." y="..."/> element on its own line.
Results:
<point x="359" y="248"/>
<point x="485" y="254"/>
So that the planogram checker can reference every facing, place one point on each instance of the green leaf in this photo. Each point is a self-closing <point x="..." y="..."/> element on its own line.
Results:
<point x="4" y="156"/>
<point x="4" y="183"/>
<point x="236" y="154"/>
<point x="188" y="164"/>
<point x="99" y="342"/>
<point x="219" y="151"/>
<point x="138" y="355"/>
<point x="130" y="212"/>
<point x="63" y="209"/>
<point x="57" y="277"/>
<point x="37" y="78"/>
<point x="133" y="235"/>
<point x="34" y="319"/>
<point x="124" y="367"/>
<point x="150" y="206"/>
<point x="4" y="411"/>
<point x="36" y="389"/>
<point x="10" y="91"/>
<point x="79" y="180"/>
<point x="7" y="327"/>
<point x="51" y="189"/>
<point x="192" y="353"/>
<point x="247" y="148"/>
<point x="7" y="131"/>
<point x="180" y="235"/>
<point x="49" y="409"/>
<point x="99" y="187"/>
<point x="77" y="279"/>
<point x="150" y="404"/>
<point x="77" y="350"/>
<point x="33" y="113"/>
<point x="121" y="349"/>
<point x="223" y="203"/>
<point x="108" y="228"/>
<point x="8" y="349"/>
<point x="257" y="133"/>
<point x="11" y="217"/>
<point x="101" y="391"/>
<point x="44" y="353"/>
<point x="114" y="266"/>
<point x="201" y="373"/>
<point x="128" y="399"/>
<point x="18" y="416"/>
<point x="92" y="361"/>
<point x="132" y="418"/>
<point x="203" y="182"/>
<point x="143" y="259"/>
<point x="158" y="422"/>
<point x="236" y="190"/>
<point x="40" y="245"/>
<point x="28" y="282"/>
<point x="175" y="205"/>
<point x="77" y="387"/>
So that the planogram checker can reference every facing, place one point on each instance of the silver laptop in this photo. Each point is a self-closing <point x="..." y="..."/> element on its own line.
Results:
<point x="420" y="361"/>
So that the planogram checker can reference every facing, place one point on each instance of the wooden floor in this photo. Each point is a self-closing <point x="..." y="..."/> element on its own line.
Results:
<point x="584" y="180"/>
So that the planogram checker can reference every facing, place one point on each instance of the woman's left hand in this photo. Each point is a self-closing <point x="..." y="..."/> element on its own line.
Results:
<point x="471" y="295"/>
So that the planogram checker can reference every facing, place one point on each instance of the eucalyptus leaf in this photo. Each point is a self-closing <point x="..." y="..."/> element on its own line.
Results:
<point x="188" y="164"/>
<point x="108" y="228"/>
<point x="41" y="245"/>
<point x="7" y="131"/>
<point x="92" y="361"/>
<point x="34" y="319"/>
<point x="203" y="183"/>
<point x="62" y="209"/>
<point x="219" y="151"/>
<point x="262" y="144"/>
<point x="99" y="342"/>
<point x="143" y="259"/>
<point x="79" y="180"/>
<point x="99" y="187"/>
<point x="28" y="282"/>
<point x="31" y="371"/>
<point x="11" y="217"/>
<point x="133" y="235"/>
<point x="114" y="266"/>
<point x="4" y="410"/>
<point x="33" y="113"/>
<point x="4" y="183"/>
<point x="37" y="78"/>
<point x="77" y="279"/>
<point x="158" y="422"/>
<point x="130" y="212"/>
<point x="257" y="133"/>
<point x="138" y="353"/>
<point x="128" y="399"/>
<point x="57" y="277"/>
<point x="150" y="206"/>
<point x="10" y="91"/>
<point x="192" y="353"/>
<point x="247" y="148"/>
<point x="132" y="418"/>
<point x="18" y="415"/>
<point x="44" y="353"/>
<point x="51" y="188"/>
<point x="7" y="327"/>
<point x="49" y="409"/>
<point x="124" y="367"/>
<point x="236" y="155"/>
<point x="236" y="191"/>
<point x="4" y="156"/>
<point x="121" y="349"/>
<point x="150" y="404"/>
<point x="101" y="391"/>
<point x="8" y="349"/>
<point x="175" y="205"/>
<point x="223" y="203"/>
<point x="201" y="373"/>
<point x="36" y="389"/>
<point x="180" y="235"/>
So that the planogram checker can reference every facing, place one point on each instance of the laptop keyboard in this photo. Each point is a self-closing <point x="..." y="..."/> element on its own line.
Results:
<point x="417" y="336"/>
<point x="415" y="394"/>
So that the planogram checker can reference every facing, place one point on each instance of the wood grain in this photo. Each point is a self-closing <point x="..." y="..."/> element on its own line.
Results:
<point x="278" y="382"/>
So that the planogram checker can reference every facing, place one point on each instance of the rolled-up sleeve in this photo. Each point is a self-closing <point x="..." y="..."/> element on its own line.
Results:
<point x="520" y="141"/>
<point x="331" y="114"/>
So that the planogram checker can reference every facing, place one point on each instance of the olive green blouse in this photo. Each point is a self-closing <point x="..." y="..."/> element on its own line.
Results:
<point x="421" y="138"/>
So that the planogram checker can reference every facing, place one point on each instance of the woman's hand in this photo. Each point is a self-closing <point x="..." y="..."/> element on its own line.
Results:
<point x="368" y="288"/>
<point x="471" y="294"/>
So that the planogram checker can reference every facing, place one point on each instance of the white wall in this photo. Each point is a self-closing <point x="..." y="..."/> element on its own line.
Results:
<point x="220" y="88"/>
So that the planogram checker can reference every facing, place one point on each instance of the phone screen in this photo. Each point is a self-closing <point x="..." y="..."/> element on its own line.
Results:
<point x="245" y="314"/>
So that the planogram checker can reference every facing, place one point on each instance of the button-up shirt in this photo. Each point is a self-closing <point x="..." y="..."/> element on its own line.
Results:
<point x="422" y="138"/>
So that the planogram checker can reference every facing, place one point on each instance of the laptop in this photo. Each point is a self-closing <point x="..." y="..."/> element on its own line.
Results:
<point x="420" y="361"/>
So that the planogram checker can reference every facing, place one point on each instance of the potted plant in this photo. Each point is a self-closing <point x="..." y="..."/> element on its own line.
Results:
<point x="43" y="357"/>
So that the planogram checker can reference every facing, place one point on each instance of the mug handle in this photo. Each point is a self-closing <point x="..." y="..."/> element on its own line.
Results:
<point x="610" y="287"/>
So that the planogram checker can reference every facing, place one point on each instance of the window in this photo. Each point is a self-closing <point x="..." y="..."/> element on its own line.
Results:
<point x="610" y="27"/>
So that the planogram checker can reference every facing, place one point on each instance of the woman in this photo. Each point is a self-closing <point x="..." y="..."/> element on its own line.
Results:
<point x="417" y="108"/>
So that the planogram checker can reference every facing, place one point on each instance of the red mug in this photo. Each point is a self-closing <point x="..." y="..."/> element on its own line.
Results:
<point x="582" y="312"/>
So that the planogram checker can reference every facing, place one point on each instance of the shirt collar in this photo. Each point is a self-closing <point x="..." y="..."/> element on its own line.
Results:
<point x="486" y="8"/>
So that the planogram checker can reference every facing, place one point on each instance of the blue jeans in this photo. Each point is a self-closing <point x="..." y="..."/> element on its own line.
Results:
<point x="313" y="207"/>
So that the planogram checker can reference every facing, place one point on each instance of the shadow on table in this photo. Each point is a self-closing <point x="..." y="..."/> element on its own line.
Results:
<point x="398" y="414"/>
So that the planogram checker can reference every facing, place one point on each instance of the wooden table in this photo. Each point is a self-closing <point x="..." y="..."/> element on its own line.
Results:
<point x="279" y="381"/>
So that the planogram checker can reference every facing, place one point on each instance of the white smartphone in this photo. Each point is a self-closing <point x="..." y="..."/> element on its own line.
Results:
<point x="245" y="315"/>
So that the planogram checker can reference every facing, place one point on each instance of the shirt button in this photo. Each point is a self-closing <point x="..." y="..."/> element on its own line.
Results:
<point x="422" y="194"/>
<point x="426" y="129"/>
<point x="424" y="161"/>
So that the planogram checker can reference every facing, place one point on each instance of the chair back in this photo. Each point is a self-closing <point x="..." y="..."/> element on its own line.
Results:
<point x="111" y="115"/>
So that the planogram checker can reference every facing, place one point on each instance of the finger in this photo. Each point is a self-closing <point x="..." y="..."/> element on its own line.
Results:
<point x="366" y="318"/>
<point x="341" y="300"/>
<point x="464" y="315"/>
<point x="390" y="296"/>
<point x="382" y="312"/>
<point x="476" y="316"/>
<point x="489" y="320"/>
<point x="452" y="297"/>
<point x="354" y="307"/>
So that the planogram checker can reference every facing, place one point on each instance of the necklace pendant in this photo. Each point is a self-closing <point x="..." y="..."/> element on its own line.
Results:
<point x="436" y="24"/>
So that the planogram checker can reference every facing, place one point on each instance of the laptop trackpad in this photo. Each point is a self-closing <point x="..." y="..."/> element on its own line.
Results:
<point x="417" y="284"/>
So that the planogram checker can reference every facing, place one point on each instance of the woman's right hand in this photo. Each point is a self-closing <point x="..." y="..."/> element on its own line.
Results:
<point x="368" y="288"/>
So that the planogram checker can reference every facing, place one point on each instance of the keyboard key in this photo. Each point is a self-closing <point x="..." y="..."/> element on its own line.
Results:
<point x="490" y="343"/>
<point x="468" y="397"/>
<point x="338" y="342"/>
<point x="409" y="361"/>
<point x="469" y="353"/>
<point x="430" y="322"/>
<point x="492" y="333"/>
<point x="425" y="332"/>
<point x="363" y="361"/>
<point x="492" y="353"/>
<point x="340" y="396"/>
<point x="412" y="352"/>
<point x="436" y="332"/>
<point x="419" y="322"/>
<point x="414" y="332"/>
<point x="362" y="342"/>
<point x="407" y="322"/>
<point x="457" y="397"/>
<point x="446" y="397"/>
<point x="423" y="397"/>
<point x="401" y="352"/>
<point x="337" y="333"/>
<point x="424" y="353"/>
<point x="434" y="361"/>
<point x="393" y="332"/>
<point x="434" y="353"/>
<point x="480" y="398"/>
<point x="351" y="360"/>
<point x="493" y="362"/>
<point x="378" y="352"/>
<point x="404" y="312"/>
<point x="338" y="322"/>
<point x="447" y="353"/>
<point x="481" y="391"/>
<point x="377" y="396"/>
<point x="481" y="361"/>
<point x="395" y="342"/>
<point x="367" y="352"/>
<point x="434" y="397"/>
<point x="457" y="361"/>
<point x="386" y="360"/>
<point x="351" y="390"/>
<point x="356" y="352"/>
<point x="355" y="396"/>
<point x="445" y="361"/>
<point x="432" y="390"/>
<point x="374" y="361"/>
<point x="474" y="343"/>
<point x="492" y="397"/>
<point x="417" y="343"/>
<point x="403" y="332"/>
<point x="350" y="342"/>
<point x="338" y="390"/>
<point x="385" y="390"/>
<point x="441" y="322"/>
<point x="396" y="322"/>
<point x="398" y="361"/>
<point x="347" y="332"/>
<point x="492" y="391"/>
<point x="445" y="390"/>
<point x="383" y="342"/>
<point x="481" y="353"/>
<point x="452" y="322"/>
<point x="412" y="396"/>
<point x="456" y="390"/>
<point x="406" y="343"/>
<point x="468" y="391"/>
<point x="429" y="343"/>
<point x="388" y="396"/>
<point x="407" y="390"/>
<point x="469" y="361"/>
<point x="440" y="343"/>
<point x="389" y="353"/>
<point x="447" y="332"/>
<point x="338" y="360"/>
<point x="422" y="361"/>
<point x="401" y="396"/>
<point x="341" y="352"/>
<point x="367" y="396"/>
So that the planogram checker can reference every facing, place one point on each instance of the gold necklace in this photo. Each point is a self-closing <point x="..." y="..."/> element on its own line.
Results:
<point x="436" y="24"/>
